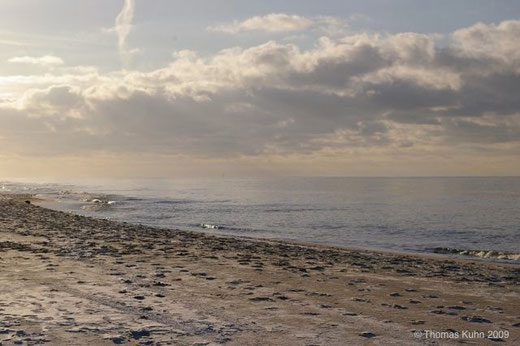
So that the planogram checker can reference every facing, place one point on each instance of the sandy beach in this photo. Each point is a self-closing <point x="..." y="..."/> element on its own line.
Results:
<point x="72" y="280"/>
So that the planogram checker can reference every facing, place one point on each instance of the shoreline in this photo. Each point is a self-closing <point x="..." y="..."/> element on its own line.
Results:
<point x="47" y="203"/>
<point x="115" y="282"/>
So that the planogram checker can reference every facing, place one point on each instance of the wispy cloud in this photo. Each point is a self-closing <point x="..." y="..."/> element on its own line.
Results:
<point x="46" y="60"/>
<point x="123" y="26"/>
<point x="285" y="23"/>
<point x="10" y="43"/>
<point x="273" y="22"/>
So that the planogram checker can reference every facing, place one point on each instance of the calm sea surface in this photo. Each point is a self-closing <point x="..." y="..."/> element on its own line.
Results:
<point x="407" y="214"/>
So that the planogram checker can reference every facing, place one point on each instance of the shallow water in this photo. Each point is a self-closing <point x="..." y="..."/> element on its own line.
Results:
<point x="405" y="214"/>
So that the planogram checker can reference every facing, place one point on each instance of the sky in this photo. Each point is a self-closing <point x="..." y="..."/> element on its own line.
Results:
<point x="169" y="88"/>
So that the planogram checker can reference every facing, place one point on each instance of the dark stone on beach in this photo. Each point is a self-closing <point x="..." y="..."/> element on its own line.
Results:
<point x="236" y="282"/>
<point x="395" y="294"/>
<point x="137" y="334"/>
<point x="139" y="297"/>
<point x="28" y="202"/>
<point x="367" y="335"/>
<point x="413" y="301"/>
<point x="117" y="340"/>
<point x="350" y="314"/>
<point x="456" y="307"/>
<point x="400" y="307"/>
<point x="496" y="339"/>
<point x="475" y="319"/>
<point x="516" y="325"/>
<point x="318" y="268"/>
<point x="117" y="273"/>
<point x="261" y="299"/>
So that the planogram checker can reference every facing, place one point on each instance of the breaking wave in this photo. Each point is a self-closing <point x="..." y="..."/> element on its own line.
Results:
<point x="490" y="254"/>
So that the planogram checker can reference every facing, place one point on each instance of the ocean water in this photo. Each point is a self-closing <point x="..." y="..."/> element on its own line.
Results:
<point x="404" y="214"/>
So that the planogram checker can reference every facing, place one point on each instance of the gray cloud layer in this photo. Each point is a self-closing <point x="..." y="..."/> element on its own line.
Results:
<point x="359" y="91"/>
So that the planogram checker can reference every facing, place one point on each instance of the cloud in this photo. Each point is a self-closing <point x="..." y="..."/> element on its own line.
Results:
<point x="281" y="22"/>
<point x="359" y="94"/>
<point x="123" y="26"/>
<point x="495" y="41"/>
<point x="46" y="60"/>
<point x="273" y="22"/>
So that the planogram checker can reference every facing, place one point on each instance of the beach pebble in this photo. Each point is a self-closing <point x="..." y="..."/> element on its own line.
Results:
<point x="475" y="319"/>
<point x="137" y="334"/>
<point x="367" y="335"/>
<point x="350" y="313"/>
<point x="261" y="299"/>
<point x="117" y="340"/>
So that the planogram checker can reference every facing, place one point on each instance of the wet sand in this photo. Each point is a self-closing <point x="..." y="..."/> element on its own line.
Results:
<point x="72" y="280"/>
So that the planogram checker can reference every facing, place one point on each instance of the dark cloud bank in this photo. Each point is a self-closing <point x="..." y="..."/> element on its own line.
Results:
<point x="363" y="91"/>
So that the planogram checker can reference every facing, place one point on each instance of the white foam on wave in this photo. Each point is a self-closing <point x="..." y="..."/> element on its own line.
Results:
<point x="489" y="254"/>
<point x="209" y="226"/>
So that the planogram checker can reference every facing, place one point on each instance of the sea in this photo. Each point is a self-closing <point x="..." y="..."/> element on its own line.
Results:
<point x="477" y="216"/>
